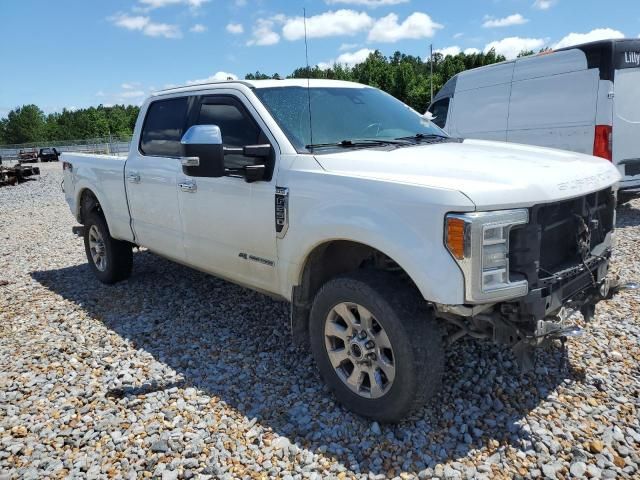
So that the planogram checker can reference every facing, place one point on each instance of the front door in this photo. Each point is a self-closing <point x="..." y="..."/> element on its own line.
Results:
<point x="151" y="176"/>
<point x="228" y="224"/>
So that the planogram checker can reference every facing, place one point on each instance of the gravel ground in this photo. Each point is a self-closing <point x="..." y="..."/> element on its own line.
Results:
<point x="175" y="374"/>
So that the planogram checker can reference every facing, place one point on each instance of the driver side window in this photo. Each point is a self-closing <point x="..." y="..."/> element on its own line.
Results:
<point x="237" y="127"/>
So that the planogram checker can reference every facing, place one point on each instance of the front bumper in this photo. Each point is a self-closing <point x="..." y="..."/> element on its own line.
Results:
<point x="574" y="287"/>
<point x="541" y="315"/>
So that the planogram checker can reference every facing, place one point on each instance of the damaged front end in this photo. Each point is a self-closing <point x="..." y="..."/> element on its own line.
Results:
<point x="541" y="270"/>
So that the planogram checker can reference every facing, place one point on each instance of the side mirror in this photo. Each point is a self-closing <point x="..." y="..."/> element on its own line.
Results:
<point x="202" y="151"/>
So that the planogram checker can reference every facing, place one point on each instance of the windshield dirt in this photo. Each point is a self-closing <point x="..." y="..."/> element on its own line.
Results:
<point x="339" y="114"/>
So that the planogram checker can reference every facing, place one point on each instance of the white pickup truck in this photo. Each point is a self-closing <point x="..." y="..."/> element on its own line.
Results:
<point x="389" y="238"/>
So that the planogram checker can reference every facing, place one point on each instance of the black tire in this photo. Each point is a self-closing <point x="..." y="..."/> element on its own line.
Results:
<point x="415" y="336"/>
<point x="118" y="253"/>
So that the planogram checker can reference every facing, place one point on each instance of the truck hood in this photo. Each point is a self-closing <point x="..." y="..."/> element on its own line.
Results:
<point x="492" y="174"/>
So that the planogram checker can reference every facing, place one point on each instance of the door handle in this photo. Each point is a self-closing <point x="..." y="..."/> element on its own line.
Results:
<point x="134" y="177"/>
<point x="188" y="186"/>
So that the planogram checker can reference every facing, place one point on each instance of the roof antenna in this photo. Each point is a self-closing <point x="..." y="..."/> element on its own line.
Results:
<point x="306" y="52"/>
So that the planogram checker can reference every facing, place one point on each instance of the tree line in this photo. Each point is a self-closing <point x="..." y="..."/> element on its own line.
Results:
<point x="29" y="124"/>
<point x="406" y="77"/>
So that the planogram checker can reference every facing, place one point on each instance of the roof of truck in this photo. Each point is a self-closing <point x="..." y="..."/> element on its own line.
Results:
<point x="289" y="82"/>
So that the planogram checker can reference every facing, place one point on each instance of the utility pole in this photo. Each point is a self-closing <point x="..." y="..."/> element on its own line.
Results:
<point x="431" y="65"/>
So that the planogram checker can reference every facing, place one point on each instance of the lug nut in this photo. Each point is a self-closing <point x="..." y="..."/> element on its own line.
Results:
<point x="372" y="356"/>
<point x="370" y="344"/>
<point x="362" y="335"/>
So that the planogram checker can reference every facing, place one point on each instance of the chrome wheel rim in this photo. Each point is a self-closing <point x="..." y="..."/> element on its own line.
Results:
<point x="97" y="248"/>
<point x="359" y="350"/>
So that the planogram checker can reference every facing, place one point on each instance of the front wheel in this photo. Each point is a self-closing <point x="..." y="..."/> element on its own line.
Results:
<point x="378" y="351"/>
<point x="110" y="260"/>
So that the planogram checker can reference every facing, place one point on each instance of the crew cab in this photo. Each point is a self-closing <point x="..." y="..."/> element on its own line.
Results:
<point x="389" y="238"/>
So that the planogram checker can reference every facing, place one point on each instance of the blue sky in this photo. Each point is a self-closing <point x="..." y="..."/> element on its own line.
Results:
<point x="76" y="53"/>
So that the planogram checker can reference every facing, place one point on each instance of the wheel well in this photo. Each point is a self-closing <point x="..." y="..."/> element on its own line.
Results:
<point x="327" y="261"/>
<point x="88" y="203"/>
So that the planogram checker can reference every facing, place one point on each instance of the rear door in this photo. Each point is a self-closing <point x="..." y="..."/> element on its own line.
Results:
<point x="151" y="176"/>
<point x="626" y="118"/>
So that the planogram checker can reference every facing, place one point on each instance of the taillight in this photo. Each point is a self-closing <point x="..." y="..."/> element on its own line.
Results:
<point x="67" y="166"/>
<point x="602" y="144"/>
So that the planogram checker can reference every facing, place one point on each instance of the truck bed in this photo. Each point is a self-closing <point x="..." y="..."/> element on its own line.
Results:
<point x="103" y="175"/>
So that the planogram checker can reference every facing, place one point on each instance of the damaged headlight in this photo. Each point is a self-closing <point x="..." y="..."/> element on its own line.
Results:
<point x="479" y="242"/>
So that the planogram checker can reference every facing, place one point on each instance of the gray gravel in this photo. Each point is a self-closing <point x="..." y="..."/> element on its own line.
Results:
<point x="175" y="374"/>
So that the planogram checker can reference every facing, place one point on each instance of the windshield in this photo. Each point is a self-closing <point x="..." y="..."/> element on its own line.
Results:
<point x="339" y="114"/>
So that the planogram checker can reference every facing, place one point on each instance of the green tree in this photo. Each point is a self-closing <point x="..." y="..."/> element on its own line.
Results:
<point x="24" y="124"/>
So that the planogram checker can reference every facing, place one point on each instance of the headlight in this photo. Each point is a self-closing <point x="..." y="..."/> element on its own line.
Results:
<point x="479" y="242"/>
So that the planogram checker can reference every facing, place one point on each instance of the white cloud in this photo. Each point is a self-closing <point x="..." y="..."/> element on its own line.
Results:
<point x="151" y="4"/>
<point x="592" y="36"/>
<point x="348" y="58"/>
<point x="100" y="93"/>
<point x="235" y="28"/>
<point x="130" y="85"/>
<point x="458" y="35"/>
<point x="328" y="24"/>
<point x="240" y="3"/>
<point x="544" y="4"/>
<point x="130" y="23"/>
<point x="515" y="19"/>
<point x="146" y="26"/>
<point x="510" y="47"/>
<point x="417" y="25"/>
<point x="348" y="46"/>
<point x="198" y="28"/>
<point x="131" y="94"/>
<point x="263" y="33"/>
<point x="455" y="50"/>
<point x="368" y="3"/>
<point x="162" y="30"/>
<point x="216" y="77"/>
<point x="448" y="51"/>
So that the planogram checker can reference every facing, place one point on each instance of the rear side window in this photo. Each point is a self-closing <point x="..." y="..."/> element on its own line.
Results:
<point x="440" y="110"/>
<point x="163" y="128"/>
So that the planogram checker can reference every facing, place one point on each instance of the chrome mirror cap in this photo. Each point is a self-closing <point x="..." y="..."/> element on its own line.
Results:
<point x="202" y="135"/>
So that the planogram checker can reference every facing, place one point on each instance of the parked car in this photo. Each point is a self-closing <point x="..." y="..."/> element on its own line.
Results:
<point x="378" y="227"/>
<point x="584" y="99"/>
<point x="28" y="155"/>
<point x="49" y="155"/>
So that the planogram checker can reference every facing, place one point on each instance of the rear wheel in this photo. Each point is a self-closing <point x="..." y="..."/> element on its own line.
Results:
<point x="110" y="260"/>
<point x="380" y="353"/>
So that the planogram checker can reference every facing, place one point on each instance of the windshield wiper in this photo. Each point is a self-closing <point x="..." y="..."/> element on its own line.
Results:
<point x="424" y="136"/>
<point x="359" y="143"/>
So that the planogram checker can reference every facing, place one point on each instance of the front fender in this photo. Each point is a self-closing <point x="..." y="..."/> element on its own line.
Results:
<point x="406" y="228"/>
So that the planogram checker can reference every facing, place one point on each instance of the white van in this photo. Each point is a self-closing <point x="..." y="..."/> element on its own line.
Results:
<point x="584" y="98"/>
